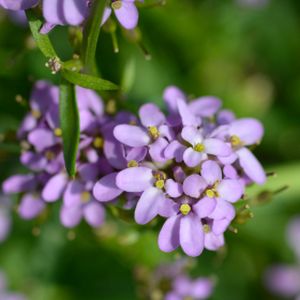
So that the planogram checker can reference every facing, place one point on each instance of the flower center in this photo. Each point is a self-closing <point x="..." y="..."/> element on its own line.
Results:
<point x="160" y="179"/>
<point x="132" y="163"/>
<point x="116" y="4"/>
<point x="85" y="197"/>
<point x="185" y="209"/>
<point x="199" y="147"/>
<point x="153" y="132"/>
<point x="160" y="184"/>
<point x="98" y="142"/>
<point x="213" y="192"/>
<point x="235" y="141"/>
<point x="206" y="228"/>
<point x="49" y="155"/>
<point x="57" y="132"/>
<point x="36" y="114"/>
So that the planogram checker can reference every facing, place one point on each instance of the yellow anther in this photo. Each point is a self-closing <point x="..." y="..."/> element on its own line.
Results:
<point x="58" y="132"/>
<point x="160" y="175"/>
<point x="36" y="114"/>
<point x="185" y="209"/>
<point x="206" y="228"/>
<point x="153" y="131"/>
<point x="116" y="4"/>
<point x="235" y="141"/>
<point x="132" y="163"/>
<point x="199" y="147"/>
<point x="98" y="142"/>
<point x="49" y="155"/>
<point x="85" y="197"/>
<point x="210" y="193"/>
<point x="160" y="184"/>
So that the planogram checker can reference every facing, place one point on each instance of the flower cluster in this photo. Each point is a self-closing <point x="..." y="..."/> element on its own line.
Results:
<point x="172" y="282"/>
<point x="74" y="12"/>
<point x="188" y="167"/>
<point x="40" y="137"/>
<point x="284" y="280"/>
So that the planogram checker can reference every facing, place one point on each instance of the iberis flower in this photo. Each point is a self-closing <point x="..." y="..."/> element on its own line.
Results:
<point x="189" y="167"/>
<point x="41" y="144"/>
<point x="284" y="280"/>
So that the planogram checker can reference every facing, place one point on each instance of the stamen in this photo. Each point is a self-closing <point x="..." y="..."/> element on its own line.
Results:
<point x="49" y="155"/>
<point x="132" y="163"/>
<point x="98" y="142"/>
<point x="58" y="132"/>
<point x="210" y="193"/>
<point x="235" y="141"/>
<point x="36" y="114"/>
<point x="153" y="131"/>
<point x="54" y="65"/>
<point x="85" y="197"/>
<point x="199" y="147"/>
<point x="116" y="4"/>
<point x="206" y="228"/>
<point x="160" y="184"/>
<point x="185" y="209"/>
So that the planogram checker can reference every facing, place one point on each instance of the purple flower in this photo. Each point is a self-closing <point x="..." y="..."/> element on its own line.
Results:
<point x="284" y="280"/>
<point x="185" y="288"/>
<point x="18" y="4"/>
<point x="125" y="12"/>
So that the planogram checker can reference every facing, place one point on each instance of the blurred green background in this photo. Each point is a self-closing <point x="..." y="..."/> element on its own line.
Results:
<point x="249" y="56"/>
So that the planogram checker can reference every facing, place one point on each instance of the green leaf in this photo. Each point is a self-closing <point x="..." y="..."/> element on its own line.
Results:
<point x="69" y="123"/>
<point x="91" y="35"/>
<point x="88" y="81"/>
<point x="42" y="40"/>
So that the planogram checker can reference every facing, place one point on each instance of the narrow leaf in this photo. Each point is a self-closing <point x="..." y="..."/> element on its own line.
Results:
<point x="42" y="40"/>
<point x="91" y="35"/>
<point x="88" y="81"/>
<point x="69" y="123"/>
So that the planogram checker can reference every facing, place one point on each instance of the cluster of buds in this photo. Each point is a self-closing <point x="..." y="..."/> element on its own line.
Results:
<point x="188" y="167"/>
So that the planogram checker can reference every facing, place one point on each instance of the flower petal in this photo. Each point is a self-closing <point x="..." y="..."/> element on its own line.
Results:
<point x="205" y="106"/>
<point x="94" y="214"/>
<point x="230" y="190"/>
<point x="148" y="205"/>
<point x="151" y="115"/>
<point x="19" y="183"/>
<point x="168" y="239"/>
<point x="173" y="188"/>
<point x="191" y="235"/>
<point x="136" y="179"/>
<point x="192" y="135"/>
<point x="223" y="210"/>
<point x="127" y="15"/>
<point x="131" y="135"/>
<point x="55" y="187"/>
<point x="187" y="116"/>
<point x="70" y="216"/>
<point x="211" y="172"/>
<point x="170" y="96"/>
<point x="204" y="207"/>
<point x="156" y="150"/>
<point x="213" y="242"/>
<point x="194" y="185"/>
<point x="30" y="206"/>
<point x="251" y="166"/>
<point x="106" y="189"/>
<point x="42" y="138"/>
<point x="250" y="131"/>
<point x="216" y="147"/>
<point x="192" y="158"/>
<point x="73" y="193"/>
<point x="174" y="150"/>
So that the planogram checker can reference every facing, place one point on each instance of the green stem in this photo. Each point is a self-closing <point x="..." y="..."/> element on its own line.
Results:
<point x="91" y="36"/>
